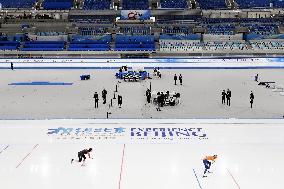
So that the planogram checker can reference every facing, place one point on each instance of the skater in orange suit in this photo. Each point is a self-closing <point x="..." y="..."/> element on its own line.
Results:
<point x="207" y="161"/>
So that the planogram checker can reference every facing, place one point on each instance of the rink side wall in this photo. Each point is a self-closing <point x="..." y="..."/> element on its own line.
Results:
<point x="163" y="63"/>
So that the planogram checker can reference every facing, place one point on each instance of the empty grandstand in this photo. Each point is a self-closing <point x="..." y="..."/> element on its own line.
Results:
<point x="97" y="4"/>
<point x="145" y="28"/>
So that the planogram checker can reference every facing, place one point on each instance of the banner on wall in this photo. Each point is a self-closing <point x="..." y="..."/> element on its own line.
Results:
<point x="135" y="15"/>
<point x="130" y="134"/>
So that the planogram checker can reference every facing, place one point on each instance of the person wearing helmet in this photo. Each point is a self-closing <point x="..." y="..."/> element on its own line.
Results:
<point x="81" y="155"/>
<point x="207" y="161"/>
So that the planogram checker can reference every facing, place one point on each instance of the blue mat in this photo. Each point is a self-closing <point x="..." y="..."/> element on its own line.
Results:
<point x="41" y="83"/>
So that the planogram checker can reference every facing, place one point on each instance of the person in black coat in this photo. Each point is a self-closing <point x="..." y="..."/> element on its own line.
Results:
<point x="159" y="101"/>
<point x="119" y="100"/>
<point x="180" y="79"/>
<point x="223" y="97"/>
<point x="175" y="79"/>
<point x="228" y="96"/>
<point x="148" y="95"/>
<point x="251" y="96"/>
<point x="162" y="99"/>
<point x="104" y="93"/>
<point x="96" y="97"/>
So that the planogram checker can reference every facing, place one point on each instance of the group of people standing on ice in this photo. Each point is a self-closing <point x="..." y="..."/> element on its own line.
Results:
<point x="178" y="78"/>
<point x="104" y="97"/>
<point x="226" y="97"/>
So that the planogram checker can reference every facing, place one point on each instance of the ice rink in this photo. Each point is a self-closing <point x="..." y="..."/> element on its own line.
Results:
<point x="42" y="127"/>
<point x="200" y="94"/>
<point x="149" y="154"/>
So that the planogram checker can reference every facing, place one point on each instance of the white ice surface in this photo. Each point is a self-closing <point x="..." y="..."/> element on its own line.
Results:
<point x="250" y="150"/>
<point x="200" y="94"/>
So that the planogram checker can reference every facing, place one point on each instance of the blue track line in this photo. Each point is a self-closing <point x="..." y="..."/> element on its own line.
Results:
<point x="197" y="178"/>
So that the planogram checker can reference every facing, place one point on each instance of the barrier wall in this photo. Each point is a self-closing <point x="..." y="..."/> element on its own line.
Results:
<point x="214" y="63"/>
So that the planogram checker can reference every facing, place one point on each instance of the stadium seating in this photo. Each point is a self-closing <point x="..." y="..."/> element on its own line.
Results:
<point x="49" y="33"/>
<point x="92" y="30"/>
<point x="268" y="45"/>
<point x="97" y="4"/>
<point x="9" y="45"/>
<point x="220" y="29"/>
<point x="180" y="46"/>
<point x="181" y="37"/>
<point x="225" y="46"/>
<point x="212" y="4"/>
<point x="28" y="4"/>
<point x="245" y="4"/>
<point x="239" y="20"/>
<point x="261" y="29"/>
<point x="134" y="43"/>
<point x="177" y="30"/>
<point x="278" y="3"/>
<point x="43" y="46"/>
<point x="135" y="4"/>
<point x="97" y="39"/>
<point x="90" y="43"/>
<point x="57" y="4"/>
<point x="91" y="46"/>
<point x="174" y="4"/>
<point x="136" y="30"/>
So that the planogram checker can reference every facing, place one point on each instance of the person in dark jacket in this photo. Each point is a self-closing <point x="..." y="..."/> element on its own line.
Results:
<point x="159" y="101"/>
<point x="228" y="96"/>
<point x="104" y="94"/>
<point x="180" y="79"/>
<point x="81" y="155"/>
<point x="223" y="97"/>
<point x="96" y="97"/>
<point x="148" y="95"/>
<point x="251" y="96"/>
<point x="119" y="100"/>
<point x="175" y="79"/>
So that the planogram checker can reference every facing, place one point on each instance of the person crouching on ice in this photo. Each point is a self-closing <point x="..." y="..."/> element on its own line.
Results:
<point x="81" y="155"/>
<point x="207" y="161"/>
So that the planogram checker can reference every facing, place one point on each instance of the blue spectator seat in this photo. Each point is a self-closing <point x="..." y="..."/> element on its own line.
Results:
<point x="177" y="30"/>
<point x="221" y="29"/>
<point x="135" y="30"/>
<point x="174" y="4"/>
<point x="135" y="4"/>
<point x="92" y="30"/>
<point x="57" y="4"/>
<point x="212" y="4"/>
<point x="27" y="4"/>
<point x="97" y="4"/>
<point x="246" y="4"/>
<point x="135" y="43"/>
<point x="261" y="29"/>
<point x="9" y="45"/>
<point x="90" y="43"/>
<point x="43" y="46"/>
<point x="180" y="37"/>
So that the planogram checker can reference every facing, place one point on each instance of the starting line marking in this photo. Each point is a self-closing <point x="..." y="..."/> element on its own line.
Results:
<point x="4" y="149"/>
<point x="121" y="166"/>
<point x="197" y="178"/>
<point x="233" y="179"/>
<point x="27" y="155"/>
